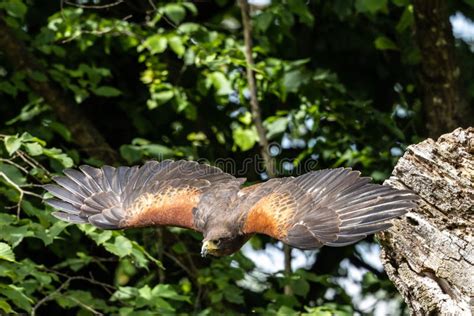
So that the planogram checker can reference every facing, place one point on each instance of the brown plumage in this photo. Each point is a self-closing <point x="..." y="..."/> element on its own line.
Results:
<point x="333" y="207"/>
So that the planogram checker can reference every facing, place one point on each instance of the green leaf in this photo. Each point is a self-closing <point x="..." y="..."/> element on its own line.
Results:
<point x="99" y="236"/>
<point x="406" y="20"/>
<point x="139" y="254"/>
<point x="27" y="137"/>
<point x="107" y="91"/>
<point x="75" y="264"/>
<point x="7" y="219"/>
<point x="15" y="8"/>
<point x="121" y="247"/>
<point x="131" y="153"/>
<point x="12" y="144"/>
<point x="276" y="127"/>
<point x="175" y="12"/>
<point x="300" y="286"/>
<point x="401" y="3"/>
<point x="287" y="311"/>
<point x="33" y="149"/>
<point x="176" y="44"/>
<point x="102" y="237"/>
<point x="5" y="307"/>
<point x="61" y="129"/>
<point x="58" y="155"/>
<point x="371" y="6"/>
<point x="188" y="27"/>
<point x="17" y="296"/>
<point x="158" y="151"/>
<point x="191" y="7"/>
<point x="301" y="9"/>
<point x="233" y="295"/>
<point x="162" y="304"/>
<point x="293" y="79"/>
<point x="379" y="175"/>
<point x="160" y="98"/>
<point x="263" y="21"/>
<point x="245" y="138"/>
<point x="384" y="43"/>
<point x="8" y="88"/>
<point x="15" y="234"/>
<point x="124" y="293"/>
<point x="156" y="43"/>
<point x="6" y="252"/>
<point x="145" y="292"/>
<point x="79" y="298"/>
<point x="343" y="8"/>
<point x="13" y="173"/>
<point x="53" y="232"/>
<point x="221" y="83"/>
<point x="38" y="76"/>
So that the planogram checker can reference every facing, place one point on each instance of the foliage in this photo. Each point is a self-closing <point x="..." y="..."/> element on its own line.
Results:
<point x="167" y="80"/>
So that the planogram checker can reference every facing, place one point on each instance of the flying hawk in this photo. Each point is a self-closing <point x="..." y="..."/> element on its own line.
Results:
<point x="333" y="207"/>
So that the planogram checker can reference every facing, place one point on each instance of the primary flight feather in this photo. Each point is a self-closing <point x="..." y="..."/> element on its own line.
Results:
<point x="334" y="207"/>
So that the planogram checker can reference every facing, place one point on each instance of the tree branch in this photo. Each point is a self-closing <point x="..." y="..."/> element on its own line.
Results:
<point x="64" y="286"/>
<point x="84" y="133"/>
<point x="257" y="116"/>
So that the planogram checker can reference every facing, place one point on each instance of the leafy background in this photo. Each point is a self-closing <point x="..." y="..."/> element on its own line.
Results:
<point x="337" y="84"/>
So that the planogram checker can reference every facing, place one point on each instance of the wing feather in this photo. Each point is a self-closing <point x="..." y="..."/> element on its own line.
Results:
<point x="334" y="207"/>
<point x="157" y="193"/>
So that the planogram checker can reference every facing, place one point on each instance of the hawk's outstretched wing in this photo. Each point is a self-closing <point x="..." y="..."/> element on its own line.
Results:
<point x="157" y="193"/>
<point x="334" y="207"/>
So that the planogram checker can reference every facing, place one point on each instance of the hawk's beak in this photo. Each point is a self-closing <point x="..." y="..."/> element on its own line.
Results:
<point x="208" y="247"/>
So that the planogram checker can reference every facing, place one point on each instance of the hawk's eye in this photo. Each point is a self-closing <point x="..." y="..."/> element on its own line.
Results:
<point x="218" y="242"/>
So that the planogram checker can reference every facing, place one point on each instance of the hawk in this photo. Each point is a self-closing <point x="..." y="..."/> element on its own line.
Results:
<point x="331" y="207"/>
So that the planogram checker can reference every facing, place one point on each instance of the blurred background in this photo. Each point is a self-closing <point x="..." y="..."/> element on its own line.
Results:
<point x="340" y="83"/>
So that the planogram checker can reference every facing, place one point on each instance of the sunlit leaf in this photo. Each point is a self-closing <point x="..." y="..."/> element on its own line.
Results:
<point x="175" y="12"/>
<point x="6" y="252"/>
<point x="34" y="149"/>
<point x="12" y="144"/>
<point x="5" y="307"/>
<point x="156" y="43"/>
<point x="176" y="45"/>
<point x="245" y="138"/>
<point x="121" y="247"/>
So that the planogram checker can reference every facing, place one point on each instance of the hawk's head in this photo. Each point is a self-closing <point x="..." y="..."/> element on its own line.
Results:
<point x="222" y="242"/>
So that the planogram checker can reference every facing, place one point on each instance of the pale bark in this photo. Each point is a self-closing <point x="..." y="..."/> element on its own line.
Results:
<point x="429" y="253"/>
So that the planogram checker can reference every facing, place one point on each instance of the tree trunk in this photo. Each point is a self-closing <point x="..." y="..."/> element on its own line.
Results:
<point x="429" y="254"/>
<point x="445" y="105"/>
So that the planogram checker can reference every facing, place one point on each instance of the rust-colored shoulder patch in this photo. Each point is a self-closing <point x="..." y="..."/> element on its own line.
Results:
<point x="271" y="215"/>
<point x="173" y="206"/>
